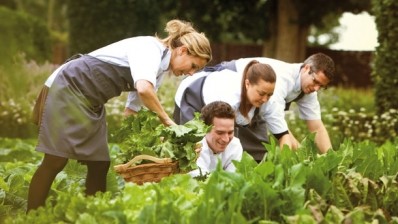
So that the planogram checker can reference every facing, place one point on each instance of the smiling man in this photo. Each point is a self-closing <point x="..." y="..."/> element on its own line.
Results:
<point x="219" y="144"/>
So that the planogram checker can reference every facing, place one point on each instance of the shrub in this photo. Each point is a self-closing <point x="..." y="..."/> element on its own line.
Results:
<point x="385" y="72"/>
<point x="23" y="34"/>
<point x="95" y="24"/>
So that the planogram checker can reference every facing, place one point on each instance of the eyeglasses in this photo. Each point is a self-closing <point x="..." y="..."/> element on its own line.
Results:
<point x="316" y="82"/>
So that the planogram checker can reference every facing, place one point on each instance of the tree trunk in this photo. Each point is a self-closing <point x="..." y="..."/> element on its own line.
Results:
<point x="289" y="40"/>
<point x="269" y="45"/>
<point x="302" y="43"/>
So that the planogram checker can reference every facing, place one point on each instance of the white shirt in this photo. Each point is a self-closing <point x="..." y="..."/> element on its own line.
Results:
<point x="144" y="57"/>
<point x="287" y="88"/>
<point x="184" y="84"/>
<point x="207" y="161"/>
<point x="224" y="85"/>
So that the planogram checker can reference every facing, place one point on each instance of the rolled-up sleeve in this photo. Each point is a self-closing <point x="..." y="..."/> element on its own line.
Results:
<point x="274" y="115"/>
<point x="133" y="101"/>
<point x="309" y="107"/>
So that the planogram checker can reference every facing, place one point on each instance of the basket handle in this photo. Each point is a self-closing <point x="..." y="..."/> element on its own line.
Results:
<point x="123" y="167"/>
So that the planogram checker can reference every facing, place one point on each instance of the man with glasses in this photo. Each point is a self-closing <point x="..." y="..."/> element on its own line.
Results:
<point x="299" y="83"/>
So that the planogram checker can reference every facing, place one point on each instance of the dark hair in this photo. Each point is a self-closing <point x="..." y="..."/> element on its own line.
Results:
<point x="219" y="109"/>
<point x="321" y="62"/>
<point x="254" y="72"/>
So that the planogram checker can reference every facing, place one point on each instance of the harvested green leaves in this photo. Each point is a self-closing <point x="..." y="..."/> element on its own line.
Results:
<point x="144" y="134"/>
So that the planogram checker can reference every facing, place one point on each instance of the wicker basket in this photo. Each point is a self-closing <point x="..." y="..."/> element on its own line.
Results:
<point x="149" y="172"/>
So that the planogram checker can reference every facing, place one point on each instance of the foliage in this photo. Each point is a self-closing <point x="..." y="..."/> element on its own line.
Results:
<point x="51" y="12"/>
<point x="347" y="98"/>
<point x="309" y="16"/>
<point x="143" y="134"/>
<point x="23" y="80"/>
<point x="360" y="125"/>
<point x="347" y="112"/>
<point x="223" y="20"/>
<point x="16" y="120"/>
<point x="323" y="20"/>
<point x="356" y="183"/>
<point x="90" y="22"/>
<point x="17" y="164"/>
<point x="317" y="35"/>
<point x="22" y="33"/>
<point x="385" y="73"/>
<point x="19" y="88"/>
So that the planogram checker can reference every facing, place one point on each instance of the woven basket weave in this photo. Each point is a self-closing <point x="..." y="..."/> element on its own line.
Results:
<point x="149" y="172"/>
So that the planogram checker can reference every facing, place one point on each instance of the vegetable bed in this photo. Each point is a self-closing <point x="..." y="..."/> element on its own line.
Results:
<point x="356" y="183"/>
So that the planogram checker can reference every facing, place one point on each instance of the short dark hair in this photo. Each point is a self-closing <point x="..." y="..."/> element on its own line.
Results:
<point x="321" y="62"/>
<point x="219" y="109"/>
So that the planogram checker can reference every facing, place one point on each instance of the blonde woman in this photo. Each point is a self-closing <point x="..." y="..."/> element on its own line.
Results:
<point x="70" y="109"/>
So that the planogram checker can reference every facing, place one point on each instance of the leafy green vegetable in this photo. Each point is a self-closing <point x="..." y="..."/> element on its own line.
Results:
<point x="287" y="187"/>
<point x="144" y="134"/>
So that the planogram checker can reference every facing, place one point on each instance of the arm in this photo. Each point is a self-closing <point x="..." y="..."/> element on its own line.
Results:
<point x="322" y="139"/>
<point x="149" y="98"/>
<point x="133" y="104"/>
<point x="274" y="115"/>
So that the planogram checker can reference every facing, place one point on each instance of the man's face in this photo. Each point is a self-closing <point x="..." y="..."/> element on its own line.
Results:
<point x="312" y="81"/>
<point x="221" y="134"/>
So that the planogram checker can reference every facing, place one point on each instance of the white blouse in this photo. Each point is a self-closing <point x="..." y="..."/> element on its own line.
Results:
<point x="224" y="85"/>
<point x="287" y="88"/>
<point x="146" y="57"/>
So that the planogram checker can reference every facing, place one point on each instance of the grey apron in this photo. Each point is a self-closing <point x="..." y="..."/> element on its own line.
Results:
<point x="73" y="122"/>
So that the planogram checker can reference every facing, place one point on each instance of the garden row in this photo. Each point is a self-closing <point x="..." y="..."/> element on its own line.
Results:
<point x="356" y="183"/>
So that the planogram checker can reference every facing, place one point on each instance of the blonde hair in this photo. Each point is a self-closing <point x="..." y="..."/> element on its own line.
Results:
<point x="182" y="33"/>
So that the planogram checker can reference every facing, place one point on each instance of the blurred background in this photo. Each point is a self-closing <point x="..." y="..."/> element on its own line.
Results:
<point x="39" y="35"/>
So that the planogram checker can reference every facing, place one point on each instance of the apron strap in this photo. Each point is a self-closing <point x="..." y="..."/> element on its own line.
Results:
<point x="192" y="101"/>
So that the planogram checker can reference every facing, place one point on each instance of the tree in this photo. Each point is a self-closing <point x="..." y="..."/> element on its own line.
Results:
<point x="52" y="13"/>
<point x="385" y="72"/>
<point x="232" y="21"/>
<point x="22" y="33"/>
<point x="282" y="26"/>
<point x="94" y="24"/>
<point x="293" y="19"/>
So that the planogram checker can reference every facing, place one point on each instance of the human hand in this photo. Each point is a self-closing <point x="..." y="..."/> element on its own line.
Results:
<point x="294" y="143"/>
<point x="129" y="112"/>
<point x="167" y="121"/>
<point x="198" y="147"/>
